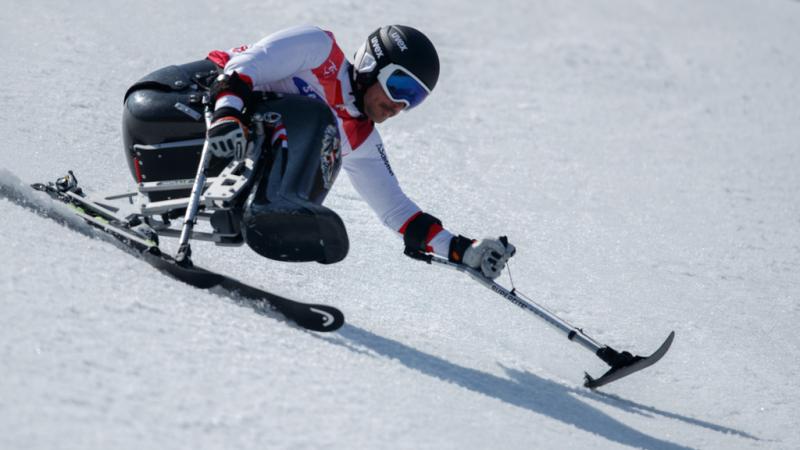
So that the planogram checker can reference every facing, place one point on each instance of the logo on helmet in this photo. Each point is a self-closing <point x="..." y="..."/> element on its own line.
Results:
<point x="376" y="47"/>
<point x="398" y="40"/>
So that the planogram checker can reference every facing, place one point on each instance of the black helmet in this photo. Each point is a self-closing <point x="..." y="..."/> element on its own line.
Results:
<point x="397" y="45"/>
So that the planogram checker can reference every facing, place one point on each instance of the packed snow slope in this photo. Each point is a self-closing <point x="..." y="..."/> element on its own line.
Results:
<point x="642" y="155"/>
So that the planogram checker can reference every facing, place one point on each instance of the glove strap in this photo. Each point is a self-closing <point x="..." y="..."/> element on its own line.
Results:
<point x="416" y="235"/>
<point x="226" y="84"/>
<point x="228" y="112"/>
<point x="458" y="245"/>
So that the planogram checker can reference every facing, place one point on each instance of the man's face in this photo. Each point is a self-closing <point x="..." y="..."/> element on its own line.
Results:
<point x="378" y="106"/>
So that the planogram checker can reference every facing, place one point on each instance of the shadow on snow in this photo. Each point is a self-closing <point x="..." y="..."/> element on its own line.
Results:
<point x="525" y="390"/>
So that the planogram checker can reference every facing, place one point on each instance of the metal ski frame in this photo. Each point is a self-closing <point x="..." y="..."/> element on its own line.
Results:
<point x="235" y="178"/>
<point x="116" y="229"/>
<point x="208" y="194"/>
<point x="622" y="363"/>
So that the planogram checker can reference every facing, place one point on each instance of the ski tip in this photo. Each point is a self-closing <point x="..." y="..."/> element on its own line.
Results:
<point x="321" y="318"/>
<point x="640" y="363"/>
<point x="662" y="349"/>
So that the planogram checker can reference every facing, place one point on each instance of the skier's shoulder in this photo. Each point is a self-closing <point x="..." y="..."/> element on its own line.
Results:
<point x="305" y="35"/>
<point x="298" y="45"/>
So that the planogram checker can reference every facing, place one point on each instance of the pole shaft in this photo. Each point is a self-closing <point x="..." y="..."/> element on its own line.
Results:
<point x="197" y="190"/>
<point x="573" y="333"/>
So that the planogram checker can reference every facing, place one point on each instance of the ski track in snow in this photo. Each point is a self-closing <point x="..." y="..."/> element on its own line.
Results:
<point x="642" y="157"/>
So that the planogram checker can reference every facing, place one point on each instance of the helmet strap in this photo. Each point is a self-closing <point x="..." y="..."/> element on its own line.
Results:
<point x="358" y="89"/>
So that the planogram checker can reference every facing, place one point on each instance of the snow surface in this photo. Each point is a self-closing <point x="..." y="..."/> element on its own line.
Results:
<point x="642" y="155"/>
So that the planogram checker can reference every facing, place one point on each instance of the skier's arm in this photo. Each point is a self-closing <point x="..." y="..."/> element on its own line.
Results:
<point x="276" y="57"/>
<point x="373" y="178"/>
<point x="371" y="175"/>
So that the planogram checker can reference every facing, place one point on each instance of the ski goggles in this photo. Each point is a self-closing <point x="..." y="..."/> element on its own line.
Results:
<point x="402" y="86"/>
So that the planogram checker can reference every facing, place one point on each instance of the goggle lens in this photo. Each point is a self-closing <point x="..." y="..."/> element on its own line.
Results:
<point x="402" y="87"/>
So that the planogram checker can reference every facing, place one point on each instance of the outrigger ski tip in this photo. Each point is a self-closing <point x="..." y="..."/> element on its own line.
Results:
<point x="623" y="363"/>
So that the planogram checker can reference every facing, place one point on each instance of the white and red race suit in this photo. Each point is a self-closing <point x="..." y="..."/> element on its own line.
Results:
<point x="307" y="60"/>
